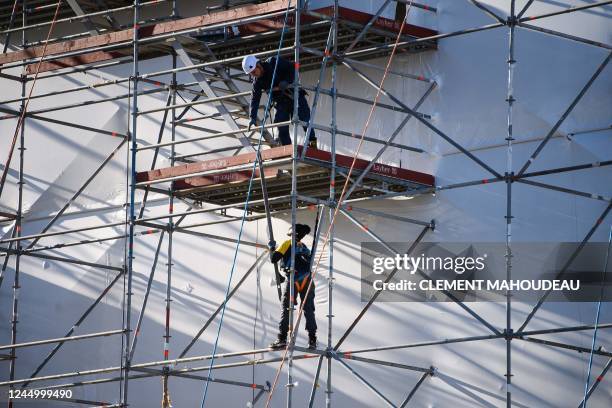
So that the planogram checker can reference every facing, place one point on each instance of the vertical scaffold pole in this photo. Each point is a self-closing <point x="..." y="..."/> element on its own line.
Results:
<point x="7" y="38"/>
<point x="509" y="178"/>
<point x="166" y="403"/>
<point x="294" y="192"/>
<point x="132" y="198"/>
<point x="19" y="215"/>
<point x="332" y="197"/>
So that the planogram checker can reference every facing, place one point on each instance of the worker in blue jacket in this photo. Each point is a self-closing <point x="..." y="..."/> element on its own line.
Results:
<point x="302" y="278"/>
<point x="282" y="94"/>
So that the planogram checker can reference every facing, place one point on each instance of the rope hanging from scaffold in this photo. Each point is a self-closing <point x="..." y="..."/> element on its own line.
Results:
<point x="293" y="330"/>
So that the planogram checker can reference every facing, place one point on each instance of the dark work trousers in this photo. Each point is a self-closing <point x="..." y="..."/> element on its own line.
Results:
<point x="309" y="307"/>
<point x="284" y="112"/>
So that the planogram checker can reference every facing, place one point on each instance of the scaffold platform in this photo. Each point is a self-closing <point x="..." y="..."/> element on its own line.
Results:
<point x="227" y="34"/>
<point x="226" y="180"/>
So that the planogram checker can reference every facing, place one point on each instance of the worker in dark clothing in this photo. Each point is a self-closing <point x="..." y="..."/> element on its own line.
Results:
<point x="301" y="281"/>
<point x="282" y="94"/>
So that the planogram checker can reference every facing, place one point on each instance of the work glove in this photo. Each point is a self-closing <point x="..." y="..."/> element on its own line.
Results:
<point x="271" y="247"/>
<point x="312" y="143"/>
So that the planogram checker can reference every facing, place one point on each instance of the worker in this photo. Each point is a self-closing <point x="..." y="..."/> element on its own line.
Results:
<point x="282" y="94"/>
<point x="302" y="278"/>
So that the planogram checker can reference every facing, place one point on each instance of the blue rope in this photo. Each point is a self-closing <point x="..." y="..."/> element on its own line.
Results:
<point x="229" y="283"/>
<point x="586" y="384"/>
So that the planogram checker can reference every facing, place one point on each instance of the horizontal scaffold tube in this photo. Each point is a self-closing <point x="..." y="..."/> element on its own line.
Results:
<point x="146" y="219"/>
<point x="214" y="135"/>
<point x="62" y="339"/>
<point x="314" y="353"/>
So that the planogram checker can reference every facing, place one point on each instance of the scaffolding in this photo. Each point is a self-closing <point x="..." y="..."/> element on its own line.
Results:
<point x="290" y="178"/>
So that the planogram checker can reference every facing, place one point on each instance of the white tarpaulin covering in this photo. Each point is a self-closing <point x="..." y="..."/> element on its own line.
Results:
<point x="468" y="105"/>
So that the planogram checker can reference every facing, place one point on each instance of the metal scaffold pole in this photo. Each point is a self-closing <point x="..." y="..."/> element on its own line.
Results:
<point x="509" y="177"/>
<point x="166" y="400"/>
<point x="332" y="198"/>
<point x="294" y="192"/>
<point x="131" y="208"/>
<point x="19" y="218"/>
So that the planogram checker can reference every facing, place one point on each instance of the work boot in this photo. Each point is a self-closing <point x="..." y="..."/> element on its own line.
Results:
<point x="312" y="143"/>
<point x="312" y="341"/>
<point x="281" y="342"/>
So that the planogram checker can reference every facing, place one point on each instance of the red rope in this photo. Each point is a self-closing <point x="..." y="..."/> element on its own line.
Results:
<point x="333" y="220"/>
<point x="27" y="101"/>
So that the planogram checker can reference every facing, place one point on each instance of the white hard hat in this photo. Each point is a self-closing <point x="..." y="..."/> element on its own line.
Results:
<point x="249" y="63"/>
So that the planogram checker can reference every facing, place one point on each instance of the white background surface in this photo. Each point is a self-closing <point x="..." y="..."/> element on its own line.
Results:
<point x="468" y="105"/>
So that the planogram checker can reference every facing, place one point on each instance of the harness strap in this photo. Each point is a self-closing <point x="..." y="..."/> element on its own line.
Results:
<point x="301" y="286"/>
